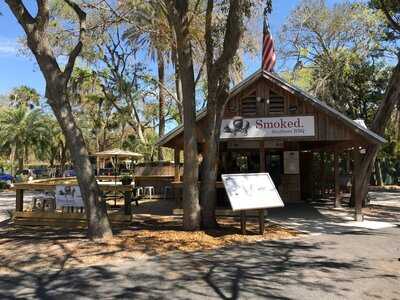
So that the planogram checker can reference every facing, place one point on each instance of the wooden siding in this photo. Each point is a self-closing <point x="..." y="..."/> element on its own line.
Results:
<point x="327" y="128"/>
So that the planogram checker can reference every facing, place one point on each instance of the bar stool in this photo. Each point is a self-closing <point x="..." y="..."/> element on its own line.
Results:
<point x="138" y="191"/>
<point x="149" y="190"/>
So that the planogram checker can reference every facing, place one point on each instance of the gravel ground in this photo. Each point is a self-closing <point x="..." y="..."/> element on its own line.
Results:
<point x="334" y="263"/>
<point x="359" y="265"/>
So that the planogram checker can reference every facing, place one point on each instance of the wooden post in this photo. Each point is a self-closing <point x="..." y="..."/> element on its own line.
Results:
<point x="322" y="173"/>
<point x="97" y="165"/>
<point x="262" y="158"/>
<point x="19" y="200"/>
<point x="243" y="221"/>
<point x="357" y="188"/>
<point x="128" y="202"/>
<point x="177" y="156"/>
<point x="337" y="183"/>
<point x="261" y="221"/>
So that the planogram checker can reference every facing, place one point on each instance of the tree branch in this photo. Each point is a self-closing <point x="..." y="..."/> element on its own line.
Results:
<point x="232" y="36"/>
<point x="390" y="19"/>
<point x="43" y="15"/>
<point x="208" y="37"/>
<point x="78" y="47"/>
<point x="22" y="14"/>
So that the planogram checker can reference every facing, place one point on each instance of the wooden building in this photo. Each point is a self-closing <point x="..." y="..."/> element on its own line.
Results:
<point x="272" y="126"/>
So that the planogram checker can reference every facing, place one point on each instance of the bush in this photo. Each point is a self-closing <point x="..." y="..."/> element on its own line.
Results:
<point x="126" y="180"/>
<point x="3" y="185"/>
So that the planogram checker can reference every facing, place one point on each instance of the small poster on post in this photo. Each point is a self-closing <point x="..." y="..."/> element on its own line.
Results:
<point x="68" y="195"/>
<point x="291" y="163"/>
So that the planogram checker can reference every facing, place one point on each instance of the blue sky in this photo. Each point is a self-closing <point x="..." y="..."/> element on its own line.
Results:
<point x="16" y="69"/>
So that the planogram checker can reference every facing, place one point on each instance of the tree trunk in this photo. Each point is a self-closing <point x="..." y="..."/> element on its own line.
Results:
<point x="20" y="163"/>
<point x="178" y="16"/>
<point x="218" y="92"/>
<point x="210" y="168"/>
<point x="36" y="30"/>
<point x="178" y="82"/>
<point x="20" y="158"/>
<point x="96" y="212"/>
<point x="161" y="99"/>
<point x="379" y="124"/>
<point x="12" y="159"/>
<point x="63" y="158"/>
<point x="378" y="173"/>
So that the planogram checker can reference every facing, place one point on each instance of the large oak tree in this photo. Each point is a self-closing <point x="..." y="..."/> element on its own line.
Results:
<point x="217" y="93"/>
<point x="57" y="78"/>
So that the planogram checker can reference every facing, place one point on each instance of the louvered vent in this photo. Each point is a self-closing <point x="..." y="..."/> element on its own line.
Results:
<point x="249" y="106"/>
<point x="276" y="103"/>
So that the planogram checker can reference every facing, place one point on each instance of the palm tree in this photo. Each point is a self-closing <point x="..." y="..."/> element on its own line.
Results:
<point x="149" y="28"/>
<point x="22" y="130"/>
<point x="54" y="147"/>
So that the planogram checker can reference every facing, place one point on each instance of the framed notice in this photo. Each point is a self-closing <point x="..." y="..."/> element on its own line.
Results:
<point x="68" y="195"/>
<point x="291" y="163"/>
<point x="251" y="191"/>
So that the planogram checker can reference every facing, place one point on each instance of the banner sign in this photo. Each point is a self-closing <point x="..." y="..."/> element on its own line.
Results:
<point x="251" y="191"/>
<point x="67" y="195"/>
<point x="239" y="127"/>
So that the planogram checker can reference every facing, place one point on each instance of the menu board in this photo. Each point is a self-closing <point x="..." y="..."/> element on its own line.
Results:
<point x="251" y="191"/>
<point x="291" y="163"/>
<point x="67" y="195"/>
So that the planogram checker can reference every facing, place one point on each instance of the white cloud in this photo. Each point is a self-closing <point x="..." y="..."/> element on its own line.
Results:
<point x="8" y="47"/>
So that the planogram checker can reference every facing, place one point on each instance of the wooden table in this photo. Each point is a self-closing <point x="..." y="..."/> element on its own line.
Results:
<point x="50" y="185"/>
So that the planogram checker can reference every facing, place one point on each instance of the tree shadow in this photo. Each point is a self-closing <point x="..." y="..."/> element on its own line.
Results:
<point x="271" y="269"/>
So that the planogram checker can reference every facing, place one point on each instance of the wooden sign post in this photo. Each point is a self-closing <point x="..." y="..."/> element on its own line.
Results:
<point x="261" y="221"/>
<point x="251" y="191"/>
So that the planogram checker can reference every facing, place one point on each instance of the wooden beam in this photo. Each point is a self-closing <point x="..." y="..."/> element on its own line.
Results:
<point x="262" y="221"/>
<point x="128" y="202"/>
<point x="337" y="183"/>
<point x="358" y="216"/>
<point x="177" y="157"/>
<point x="262" y="158"/>
<point x="243" y="221"/>
<point x="19" y="200"/>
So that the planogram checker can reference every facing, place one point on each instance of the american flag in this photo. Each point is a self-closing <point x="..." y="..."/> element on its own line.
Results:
<point x="268" y="51"/>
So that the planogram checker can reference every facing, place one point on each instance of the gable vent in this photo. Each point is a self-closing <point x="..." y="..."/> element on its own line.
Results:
<point x="276" y="103"/>
<point x="249" y="106"/>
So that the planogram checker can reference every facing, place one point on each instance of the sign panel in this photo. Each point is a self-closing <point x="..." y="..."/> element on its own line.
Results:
<point x="291" y="163"/>
<point x="67" y="195"/>
<point x="239" y="127"/>
<point x="241" y="144"/>
<point x="251" y="191"/>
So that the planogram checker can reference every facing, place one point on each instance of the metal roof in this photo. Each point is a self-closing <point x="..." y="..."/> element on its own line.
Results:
<point x="359" y="128"/>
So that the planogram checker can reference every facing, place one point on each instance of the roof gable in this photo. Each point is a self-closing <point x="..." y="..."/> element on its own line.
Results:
<point x="273" y="77"/>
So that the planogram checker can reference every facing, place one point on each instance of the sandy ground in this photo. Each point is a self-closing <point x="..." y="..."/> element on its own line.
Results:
<point x="155" y="259"/>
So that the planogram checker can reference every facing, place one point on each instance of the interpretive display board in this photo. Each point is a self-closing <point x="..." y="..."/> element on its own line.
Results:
<point x="251" y="191"/>
<point x="67" y="195"/>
